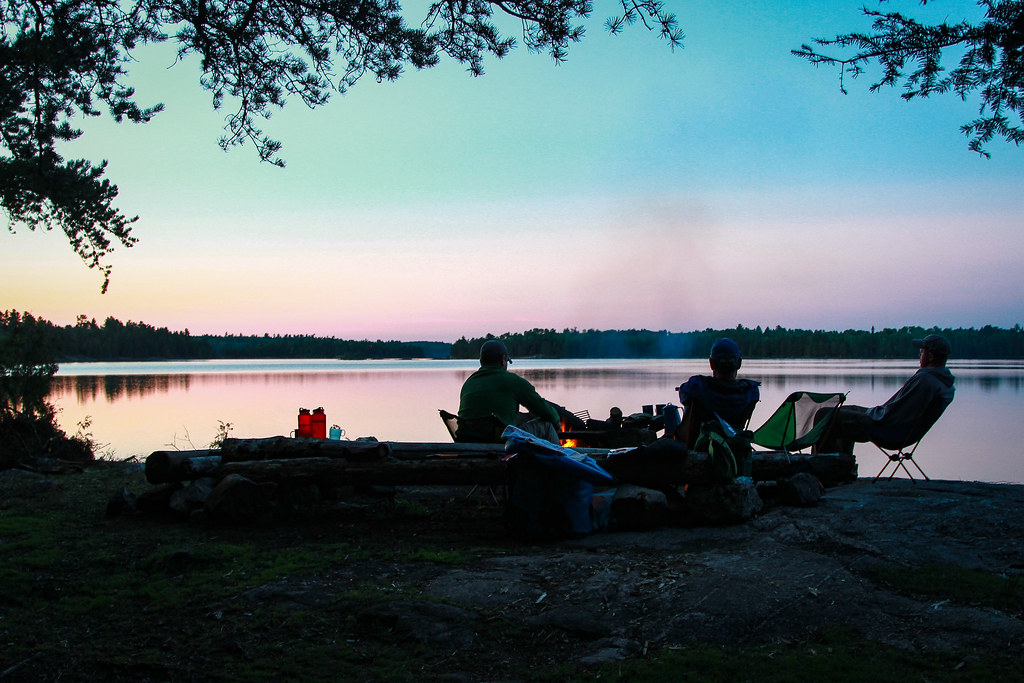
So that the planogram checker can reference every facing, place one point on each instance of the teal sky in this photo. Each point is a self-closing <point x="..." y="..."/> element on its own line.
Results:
<point x="631" y="187"/>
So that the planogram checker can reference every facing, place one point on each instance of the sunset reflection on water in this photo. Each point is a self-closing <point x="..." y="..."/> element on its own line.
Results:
<point x="136" y="408"/>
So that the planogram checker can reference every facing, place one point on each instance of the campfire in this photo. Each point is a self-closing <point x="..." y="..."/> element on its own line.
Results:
<point x="579" y="431"/>
<point x="567" y="442"/>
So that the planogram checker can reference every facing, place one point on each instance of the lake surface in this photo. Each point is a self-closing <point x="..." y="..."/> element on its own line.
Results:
<point x="137" y="408"/>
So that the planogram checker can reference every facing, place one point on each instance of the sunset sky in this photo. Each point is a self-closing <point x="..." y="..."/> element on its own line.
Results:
<point x="631" y="187"/>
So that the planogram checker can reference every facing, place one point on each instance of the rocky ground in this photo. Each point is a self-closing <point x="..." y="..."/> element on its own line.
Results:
<point x="784" y="576"/>
<point x="431" y="576"/>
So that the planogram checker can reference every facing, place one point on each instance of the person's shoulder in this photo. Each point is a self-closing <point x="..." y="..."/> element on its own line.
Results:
<point x="486" y="371"/>
<point x="939" y="374"/>
<point x="694" y="386"/>
<point x="513" y="377"/>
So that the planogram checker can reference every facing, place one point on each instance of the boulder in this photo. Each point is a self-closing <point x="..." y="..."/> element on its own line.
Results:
<point x="730" y="503"/>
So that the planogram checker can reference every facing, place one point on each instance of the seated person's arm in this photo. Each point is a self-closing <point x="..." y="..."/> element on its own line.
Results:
<point x="532" y="401"/>
<point x="689" y="427"/>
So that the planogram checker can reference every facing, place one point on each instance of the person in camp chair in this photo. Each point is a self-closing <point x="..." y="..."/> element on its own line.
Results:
<point x="907" y="414"/>
<point x="491" y="397"/>
<point x="721" y="394"/>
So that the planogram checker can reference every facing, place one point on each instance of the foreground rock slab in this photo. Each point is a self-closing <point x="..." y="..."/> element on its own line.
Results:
<point x="784" y="576"/>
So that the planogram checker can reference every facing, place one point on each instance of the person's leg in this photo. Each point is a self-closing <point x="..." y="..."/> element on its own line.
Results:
<point x="542" y="429"/>
<point x="850" y="425"/>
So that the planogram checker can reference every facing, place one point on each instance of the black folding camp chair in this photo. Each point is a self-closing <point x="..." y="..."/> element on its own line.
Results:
<point x="491" y="423"/>
<point x="899" y="453"/>
<point x="899" y="457"/>
<point x="451" y="423"/>
<point x="800" y="422"/>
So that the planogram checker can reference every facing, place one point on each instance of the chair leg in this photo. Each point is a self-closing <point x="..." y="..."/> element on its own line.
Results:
<point x="898" y="460"/>
<point x="914" y="463"/>
<point x="888" y="462"/>
<point x="904" y="466"/>
<point x="493" y="491"/>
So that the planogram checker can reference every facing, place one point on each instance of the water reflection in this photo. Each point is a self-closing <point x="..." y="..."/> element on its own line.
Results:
<point x="87" y="389"/>
<point x="138" y="408"/>
<point x="850" y="376"/>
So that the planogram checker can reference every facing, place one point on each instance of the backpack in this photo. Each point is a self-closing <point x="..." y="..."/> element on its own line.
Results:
<point x="728" y="450"/>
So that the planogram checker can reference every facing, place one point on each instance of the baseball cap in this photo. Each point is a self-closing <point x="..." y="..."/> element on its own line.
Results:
<point x="934" y="343"/>
<point x="725" y="349"/>
<point x="492" y="351"/>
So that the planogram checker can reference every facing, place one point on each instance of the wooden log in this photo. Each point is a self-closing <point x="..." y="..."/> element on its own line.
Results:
<point x="164" y="467"/>
<point x="336" y="471"/>
<point x="445" y="463"/>
<point x="830" y="468"/>
<point x="238" y="499"/>
<point x="694" y="468"/>
<point x="282" y="447"/>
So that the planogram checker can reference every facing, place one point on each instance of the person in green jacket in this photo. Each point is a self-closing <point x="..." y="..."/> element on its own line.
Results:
<point x="491" y="397"/>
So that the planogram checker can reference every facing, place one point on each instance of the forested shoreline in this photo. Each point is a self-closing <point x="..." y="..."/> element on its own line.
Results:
<point x="111" y="340"/>
<point x="988" y="342"/>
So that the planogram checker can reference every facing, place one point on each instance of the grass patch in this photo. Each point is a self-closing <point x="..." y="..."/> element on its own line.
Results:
<point x="958" y="584"/>
<point x="412" y="508"/>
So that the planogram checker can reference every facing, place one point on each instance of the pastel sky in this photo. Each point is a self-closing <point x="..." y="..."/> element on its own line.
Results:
<point x="631" y="187"/>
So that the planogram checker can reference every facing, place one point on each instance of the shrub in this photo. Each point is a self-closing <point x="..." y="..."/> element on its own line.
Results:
<point x="28" y="426"/>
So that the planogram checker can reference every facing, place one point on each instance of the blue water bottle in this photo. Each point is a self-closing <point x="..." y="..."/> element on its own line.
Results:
<point x="673" y="418"/>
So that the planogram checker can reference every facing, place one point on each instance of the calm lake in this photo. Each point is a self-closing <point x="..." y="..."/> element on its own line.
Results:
<point x="137" y="408"/>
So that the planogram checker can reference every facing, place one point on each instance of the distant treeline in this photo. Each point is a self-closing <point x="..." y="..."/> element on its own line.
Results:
<point x="307" y="346"/>
<point x="114" y="340"/>
<point x="777" y="342"/>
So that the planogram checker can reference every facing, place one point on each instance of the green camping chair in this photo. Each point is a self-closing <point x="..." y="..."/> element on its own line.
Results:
<point x="796" y="424"/>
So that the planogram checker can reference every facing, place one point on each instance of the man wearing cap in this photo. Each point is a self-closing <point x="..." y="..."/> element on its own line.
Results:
<point x="491" y="397"/>
<point x="916" y="405"/>
<point x="721" y="394"/>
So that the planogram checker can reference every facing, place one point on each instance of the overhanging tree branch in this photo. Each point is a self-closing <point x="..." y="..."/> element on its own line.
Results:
<point x="912" y="53"/>
<point x="58" y="58"/>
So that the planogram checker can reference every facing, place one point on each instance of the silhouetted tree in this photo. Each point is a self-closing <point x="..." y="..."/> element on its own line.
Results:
<point x="26" y="366"/>
<point x="991" y="63"/>
<point x="28" y="425"/>
<point x="61" y="59"/>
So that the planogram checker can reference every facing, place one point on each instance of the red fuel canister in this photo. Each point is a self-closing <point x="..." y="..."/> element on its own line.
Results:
<point x="319" y="424"/>
<point x="305" y="429"/>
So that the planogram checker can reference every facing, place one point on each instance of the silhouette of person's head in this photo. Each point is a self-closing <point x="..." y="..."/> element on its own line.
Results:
<point x="725" y="359"/>
<point x="934" y="350"/>
<point x="493" y="352"/>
